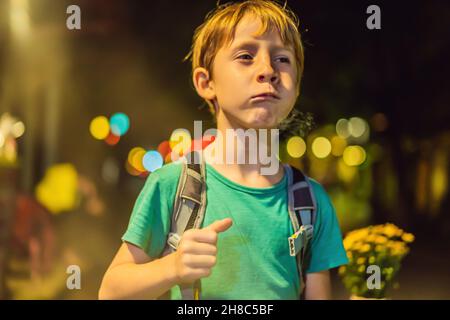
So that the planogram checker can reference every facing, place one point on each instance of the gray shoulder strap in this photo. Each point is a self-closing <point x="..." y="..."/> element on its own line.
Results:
<point x="302" y="212"/>
<point x="189" y="206"/>
<point x="301" y="200"/>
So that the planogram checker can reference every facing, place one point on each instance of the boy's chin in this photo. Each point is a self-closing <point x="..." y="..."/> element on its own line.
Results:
<point x="259" y="123"/>
<point x="261" y="119"/>
<point x="264" y="120"/>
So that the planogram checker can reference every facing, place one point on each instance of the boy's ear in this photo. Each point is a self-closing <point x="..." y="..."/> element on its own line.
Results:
<point x="203" y="84"/>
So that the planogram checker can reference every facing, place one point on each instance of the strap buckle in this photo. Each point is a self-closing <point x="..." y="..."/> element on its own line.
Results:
<point x="173" y="240"/>
<point x="300" y="239"/>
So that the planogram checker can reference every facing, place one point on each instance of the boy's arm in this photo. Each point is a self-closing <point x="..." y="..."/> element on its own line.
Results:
<point x="318" y="286"/>
<point x="134" y="275"/>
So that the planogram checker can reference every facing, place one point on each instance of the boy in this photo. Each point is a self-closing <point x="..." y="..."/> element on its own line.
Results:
<point x="247" y="61"/>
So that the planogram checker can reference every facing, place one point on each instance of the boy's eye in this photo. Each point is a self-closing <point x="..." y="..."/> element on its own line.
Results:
<point x="245" y="56"/>
<point x="284" y="59"/>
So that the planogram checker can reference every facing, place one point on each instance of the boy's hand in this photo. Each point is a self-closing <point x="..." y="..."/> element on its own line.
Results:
<point x="197" y="250"/>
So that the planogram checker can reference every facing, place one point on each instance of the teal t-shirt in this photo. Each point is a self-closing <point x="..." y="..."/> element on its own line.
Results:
<point x="253" y="260"/>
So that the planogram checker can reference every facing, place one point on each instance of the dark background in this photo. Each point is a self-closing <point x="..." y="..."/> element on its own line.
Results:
<point x="128" y="57"/>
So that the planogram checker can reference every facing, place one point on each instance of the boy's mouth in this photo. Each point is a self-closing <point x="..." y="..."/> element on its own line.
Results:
<point x="266" y="95"/>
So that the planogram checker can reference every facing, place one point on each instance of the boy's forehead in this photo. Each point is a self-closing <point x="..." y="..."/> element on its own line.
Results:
<point x="247" y="31"/>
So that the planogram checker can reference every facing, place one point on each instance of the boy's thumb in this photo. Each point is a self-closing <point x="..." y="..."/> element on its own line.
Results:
<point x="220" y="225"/>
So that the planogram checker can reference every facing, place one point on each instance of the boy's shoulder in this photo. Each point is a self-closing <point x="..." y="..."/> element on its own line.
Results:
<point x="320" y="194"/>
<point x="316" y="186"/>
<point x="168" y="173"/>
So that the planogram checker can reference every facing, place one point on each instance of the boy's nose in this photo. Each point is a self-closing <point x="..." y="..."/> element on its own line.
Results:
<point x="267" y="74"/>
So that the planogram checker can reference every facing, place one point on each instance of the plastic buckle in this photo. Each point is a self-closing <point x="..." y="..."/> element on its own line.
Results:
<point x="308" y="229"/>
<point x="295" y="242"/>
<point x="173" y="240"/>
<point x="298" y="239"/>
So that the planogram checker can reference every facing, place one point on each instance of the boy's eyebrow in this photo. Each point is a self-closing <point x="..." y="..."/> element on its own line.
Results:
<point x="249" y="44"/>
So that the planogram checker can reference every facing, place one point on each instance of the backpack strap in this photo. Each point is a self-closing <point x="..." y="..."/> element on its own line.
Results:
<point x="188" y="210"/>
<point x="302" y="212"/>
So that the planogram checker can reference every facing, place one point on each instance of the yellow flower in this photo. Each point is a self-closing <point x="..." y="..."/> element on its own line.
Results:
<point x="356" y="235"/>
<point x="378" y="229"/>
<point x="399" y="251"/>
<point x="365" y="248"/>
<point x="348" y="243"/>
<point x="397" y="248"/>
<point x="371" y="245"/>
<point x="390" y="243"/>
<point x="390" y="230"/>
<point x="408" y="237"/>
<point x="357" y="245"/>
<point x="371" y="238"/>
<point x="380" y="240"/>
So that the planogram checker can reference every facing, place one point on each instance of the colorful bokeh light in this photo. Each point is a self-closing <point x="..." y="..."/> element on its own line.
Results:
<point x="338" y="145"/>
<point x="119" y="123"/>
<point x="99" y="127"/>
<point x="135" y="157"/>
<point x="354" y="155"/>
<point x="321" y="147"/>
<point x="112" y="139"/>
<point x="180" y="141"/>
<point x="357" y="127"/>
<point x="164" y="148"/>
<point x="18" y="129"/>
<point x="131" y="170"/>
<point x="152" y="160"/>
<point x="57" y="191"/>
<point x="342" y="128"/>
<point x="296" y="147"/>
<point x="344" y="172"/>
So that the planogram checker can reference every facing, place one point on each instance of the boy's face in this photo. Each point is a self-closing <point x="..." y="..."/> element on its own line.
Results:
<point x="247" y="69"/>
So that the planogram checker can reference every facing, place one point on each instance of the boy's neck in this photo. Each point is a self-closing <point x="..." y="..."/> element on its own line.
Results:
<point x="248" y="173"/>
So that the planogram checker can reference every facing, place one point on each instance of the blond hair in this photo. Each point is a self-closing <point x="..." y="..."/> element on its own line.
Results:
<point x="219" y="29"/>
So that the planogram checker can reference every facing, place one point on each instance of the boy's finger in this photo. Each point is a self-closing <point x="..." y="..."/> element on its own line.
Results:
<point x="204" y="248"/>
<point x="200" y="261"/>
<point x="221" y="225"/>
<point x="205" y="235"/>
